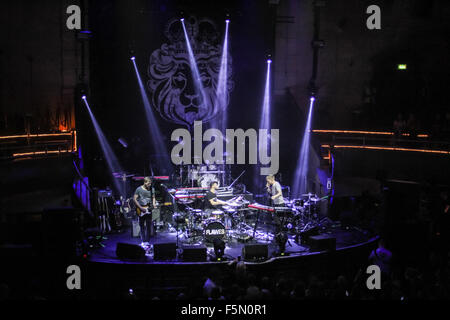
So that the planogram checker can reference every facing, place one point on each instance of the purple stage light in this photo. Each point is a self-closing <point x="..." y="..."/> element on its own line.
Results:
<point x="193" y="63"/>
<point x="182" y="19"/>
<point x="133" y="58"/>
<point x="222" y="94"/>
<point x="300" y="184"/>
<point x="83" y="97"/>
<point x="227" y="21"/>
<point x="269" y="60"/>
<point x="163" y="160"/>
<point x="264" y="122"/>
<point x="111" y="159"/>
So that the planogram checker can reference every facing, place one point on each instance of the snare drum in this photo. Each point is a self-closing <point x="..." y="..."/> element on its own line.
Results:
<point x="217" y="214"/>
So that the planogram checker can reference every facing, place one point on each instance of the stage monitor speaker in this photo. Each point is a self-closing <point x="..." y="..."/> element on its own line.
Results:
<point x="322" y="242"/>
<point x="255" y="252"/>
<point x="127" y="251"/>
<point x="306" y="235"/>
<point x="194" y="253"/>
<point x="165" y="251"/>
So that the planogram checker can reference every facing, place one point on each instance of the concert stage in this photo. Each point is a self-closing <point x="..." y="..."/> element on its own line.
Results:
<point x="347" y="238"/>
<point x="109" y="276"/>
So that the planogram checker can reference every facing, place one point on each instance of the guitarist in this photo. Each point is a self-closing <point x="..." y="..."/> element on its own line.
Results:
<point x="144" y="198"/>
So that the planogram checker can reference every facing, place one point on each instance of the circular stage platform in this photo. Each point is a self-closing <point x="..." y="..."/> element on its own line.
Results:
<point x="110" y="276"/>
<point x="170" y="250"/>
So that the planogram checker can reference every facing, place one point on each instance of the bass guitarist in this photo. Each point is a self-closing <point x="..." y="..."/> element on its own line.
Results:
<point x="144" y="198"/>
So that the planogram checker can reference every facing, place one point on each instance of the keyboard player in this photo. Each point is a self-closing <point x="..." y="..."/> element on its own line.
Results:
<point x="274" y="190"/>
<point x="276" y="196"/>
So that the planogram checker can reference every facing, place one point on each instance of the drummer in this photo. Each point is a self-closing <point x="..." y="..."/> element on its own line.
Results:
<point x="211" y="201"/>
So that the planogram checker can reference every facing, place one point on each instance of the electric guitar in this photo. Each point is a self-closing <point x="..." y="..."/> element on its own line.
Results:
<point x="148" y="208"/>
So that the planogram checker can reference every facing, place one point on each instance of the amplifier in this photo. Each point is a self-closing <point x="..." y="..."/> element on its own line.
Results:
<point x="135" y="228"/>
<point x="104" y="193"/>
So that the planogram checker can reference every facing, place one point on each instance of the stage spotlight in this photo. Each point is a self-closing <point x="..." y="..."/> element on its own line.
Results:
<point x="219" y="248"/>
<point x="182" y="19"/>
<point x="281" y="239"/>
<point x="158" y="146"/>
<point x="83" y="97"/>
<point x="264" y="122"/>
<point x="133" y="58"/>
<point x="111" y="158"/>
<point x="123" y="142"/>
<point x="222" y="93"/>
<point x="301" y="173"/>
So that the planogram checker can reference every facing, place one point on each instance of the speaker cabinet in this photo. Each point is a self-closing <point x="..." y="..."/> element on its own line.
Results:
<point x="194" y="253"/>
<point x="322" y="243"/>
<point x="165" y="251"/>
<point x="306" y="235"/>
<point x="255" y="252"/>
<point x="127" y="251"/>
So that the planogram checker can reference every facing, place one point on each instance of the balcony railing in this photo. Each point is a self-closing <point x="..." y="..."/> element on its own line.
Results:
<point x="37" y="145"/>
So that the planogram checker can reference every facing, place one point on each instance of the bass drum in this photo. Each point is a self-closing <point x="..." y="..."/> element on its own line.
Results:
<point x="205" y="179"/>
<point x="214" y="230"/>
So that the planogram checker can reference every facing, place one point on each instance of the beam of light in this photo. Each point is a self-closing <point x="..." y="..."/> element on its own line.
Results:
<point x="300" y="183"/>
<point x="111" y="159"/>
<point x="264" y="122"/>
<point x="386" y="148"/>
<point x="159" y="146"/>
<point x="222" y="91"/>
<point x="195" y="73"/>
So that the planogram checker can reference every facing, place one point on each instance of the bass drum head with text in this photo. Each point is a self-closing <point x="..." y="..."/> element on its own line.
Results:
<point x="214" y="230"/>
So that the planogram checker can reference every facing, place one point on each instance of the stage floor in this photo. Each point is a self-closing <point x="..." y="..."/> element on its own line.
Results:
<point x="345" y="237"/>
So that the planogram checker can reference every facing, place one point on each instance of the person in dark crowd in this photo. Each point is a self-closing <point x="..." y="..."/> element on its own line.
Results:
<point x="399" y="125"/>
<point x="412" y="126"/>
<point x="382" y="258"/>
<point x="443" y="222"/>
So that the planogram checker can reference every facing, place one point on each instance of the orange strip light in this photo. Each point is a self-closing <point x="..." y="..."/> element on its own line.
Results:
<point x="37" y="135"/>
<point x="74" y="147"/>
<point x="38" y="152"/>
<point x="387" y="148"/>
<point x="385" y="133"/>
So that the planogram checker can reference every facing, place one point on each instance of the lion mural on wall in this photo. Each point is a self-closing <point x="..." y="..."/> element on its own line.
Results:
<point x="173" y="87"/>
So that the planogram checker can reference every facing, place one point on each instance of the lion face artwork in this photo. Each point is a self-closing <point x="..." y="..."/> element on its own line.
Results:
<point x="174" y="90"/>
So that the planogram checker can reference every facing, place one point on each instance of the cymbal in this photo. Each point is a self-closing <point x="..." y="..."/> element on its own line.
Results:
<point x="121" y="175"/>
<point x="212" y="171"/>
<point x="308" y="195"/>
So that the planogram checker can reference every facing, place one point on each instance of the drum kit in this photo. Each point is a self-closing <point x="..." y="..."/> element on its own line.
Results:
<point x="199" y="225"/>
<point x="306" y="212"/>
<point x="233" y="220"/>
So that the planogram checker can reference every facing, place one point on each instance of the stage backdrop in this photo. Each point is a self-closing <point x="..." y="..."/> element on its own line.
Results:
<point x="152" y="32"/>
